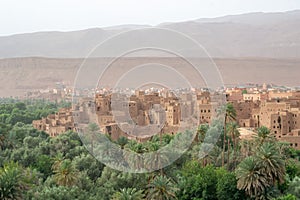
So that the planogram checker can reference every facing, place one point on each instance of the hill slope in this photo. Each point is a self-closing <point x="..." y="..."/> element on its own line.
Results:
<point x="274" y="35"/>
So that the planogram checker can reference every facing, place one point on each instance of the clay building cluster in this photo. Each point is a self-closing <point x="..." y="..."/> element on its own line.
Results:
<point x="156" y="111"/>
<point x="134" y="117"/>
<point x="277" y="110"/>
<point x="146" y="113"/>
<point x="142" y="113"/>
<point x="57" y="123"/>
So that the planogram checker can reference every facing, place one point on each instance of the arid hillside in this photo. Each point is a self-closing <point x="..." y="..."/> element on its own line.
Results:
<point x="18" y="75"/>
<point x="269" y="35"/>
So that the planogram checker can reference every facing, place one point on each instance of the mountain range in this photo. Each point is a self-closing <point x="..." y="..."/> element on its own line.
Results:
<point x="247" y="48"/>
<point x="269" y="35"/>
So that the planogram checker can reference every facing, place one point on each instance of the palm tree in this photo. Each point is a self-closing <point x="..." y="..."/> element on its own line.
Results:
<point x="128" y="194"/>
<point x="257" y="173"/>
<point x="15" y="181"/>
<point x="205" y="153"/>
<point x="4" y="130"/>
<point x="93" y="129"/>
<point x="271" y="162"/>
<point x="10" y="176"/>
<point x="246" y="148"/>
<point x="155" y="159"/>
<point x="230" y="115"/>
<point x="234" y="133"/>
<point x="57" y="160"/>
<point x="161" y="188"/>
<point x="65" y="174"/>
<point x="250" y="178"/>
<point x="294" y="187"/>
<point x="107" y="151"/>
<point x="263" y="135"/>
<point x="122" y="141"/>
<point x="133" y="155"/>
<point x="201" y="132"/>
<point x="2" y="140"/>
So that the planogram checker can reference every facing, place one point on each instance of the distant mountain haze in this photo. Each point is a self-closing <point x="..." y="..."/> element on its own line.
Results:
<point x="270" y="35"/>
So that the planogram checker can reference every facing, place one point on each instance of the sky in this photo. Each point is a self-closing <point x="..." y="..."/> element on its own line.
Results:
<point x="23" y="16"/>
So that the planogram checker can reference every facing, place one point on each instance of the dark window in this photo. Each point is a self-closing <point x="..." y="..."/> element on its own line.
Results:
<point x="279" y="120"/>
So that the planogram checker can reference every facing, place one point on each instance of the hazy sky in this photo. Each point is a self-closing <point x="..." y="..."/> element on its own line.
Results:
<point x="19" y="16"/>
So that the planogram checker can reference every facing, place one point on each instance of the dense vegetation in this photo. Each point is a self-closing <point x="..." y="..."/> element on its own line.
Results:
<point x="35" y="166"/>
